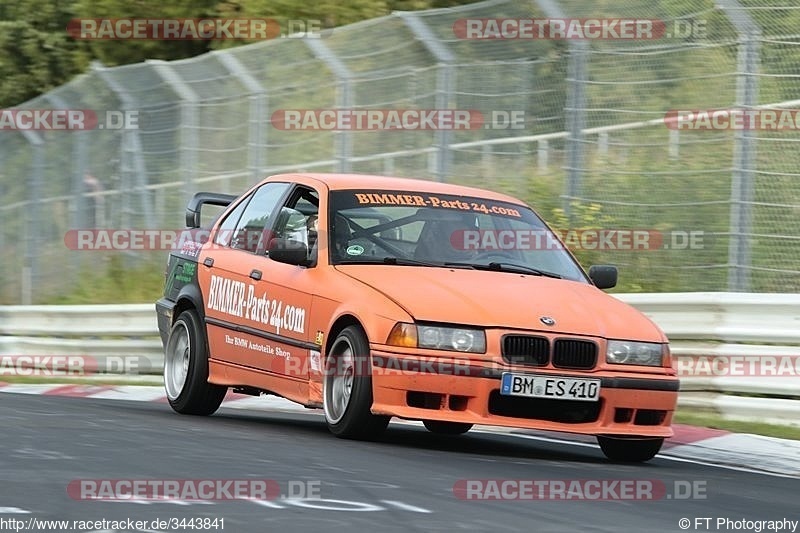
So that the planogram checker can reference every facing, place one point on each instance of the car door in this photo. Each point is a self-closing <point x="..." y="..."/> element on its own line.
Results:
<point x="229" y="267"/>
<point x="284" y="291"/>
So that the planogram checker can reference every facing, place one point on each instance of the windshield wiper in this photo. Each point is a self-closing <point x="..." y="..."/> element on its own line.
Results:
<point x="513" y="267"/>
<point x="508" y="267"/>
<point x="417" y="262"/>
<point x="391" y="260"/>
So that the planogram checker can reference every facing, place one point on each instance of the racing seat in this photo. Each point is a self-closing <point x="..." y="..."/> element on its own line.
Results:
<point x="342" y="234"/>
<point x="312" y="234"/>
<point x="436" y="240"/>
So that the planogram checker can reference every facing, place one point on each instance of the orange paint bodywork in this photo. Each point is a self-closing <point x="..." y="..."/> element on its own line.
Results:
<point x="377" y="297"/>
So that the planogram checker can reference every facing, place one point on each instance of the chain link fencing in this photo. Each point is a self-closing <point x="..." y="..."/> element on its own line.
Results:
<point x="595" y="150"/>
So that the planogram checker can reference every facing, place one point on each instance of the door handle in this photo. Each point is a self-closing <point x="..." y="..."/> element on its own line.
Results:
<point x="256" y="275"/>
<point x="208" y="261"/>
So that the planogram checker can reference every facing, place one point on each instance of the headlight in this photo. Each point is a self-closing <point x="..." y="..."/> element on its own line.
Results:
<point x="438" y="338"/>
<point x="634" y="353"/>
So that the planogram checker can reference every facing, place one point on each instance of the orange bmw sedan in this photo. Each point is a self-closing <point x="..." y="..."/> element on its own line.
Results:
<point x="372" y="297"/>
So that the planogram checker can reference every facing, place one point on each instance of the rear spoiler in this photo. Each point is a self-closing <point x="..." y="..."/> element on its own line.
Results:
<point x="202" y="198"/>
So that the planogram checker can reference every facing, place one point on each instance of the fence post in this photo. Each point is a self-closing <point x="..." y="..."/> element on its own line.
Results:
<point x="32" y="233"/>
<point x="674" y="149"/>
<point x="3" y="169"/>
<point x="79" y="142"/>
<point x="742" y="186"/>
<point x="576" y="120"/>
<point x="132" y="165"/>
<point x="189" y="141"/>
<point x="76" y="205"/>
<point x="575" y="109"/>
<point x="602" y="144"/>
<point x="542" y="148"/>
<point x="444" y="87"/>
<point x="388" y="166"/>
<point x="344" y="99"/>
<point x="259" y="107"/>
<point x="744" y="151"/>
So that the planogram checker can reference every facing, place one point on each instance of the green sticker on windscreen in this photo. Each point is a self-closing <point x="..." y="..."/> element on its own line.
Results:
<point x="355" y="250"/>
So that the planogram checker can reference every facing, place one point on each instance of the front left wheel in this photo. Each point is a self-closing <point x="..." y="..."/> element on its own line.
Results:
<point x="186" y="368"/>
<point x="347" y="388"/>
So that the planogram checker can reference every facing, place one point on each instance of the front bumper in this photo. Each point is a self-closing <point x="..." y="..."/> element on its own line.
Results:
<point x="411" y="387"/>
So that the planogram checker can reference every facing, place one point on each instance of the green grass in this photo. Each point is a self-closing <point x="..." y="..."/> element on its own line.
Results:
<point x="737" y="426"/>
<point x="83" y="380"/>
<point x="113" y="282"/>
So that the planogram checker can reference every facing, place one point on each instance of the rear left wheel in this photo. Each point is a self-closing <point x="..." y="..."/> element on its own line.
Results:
<point x="186" y="368"/>
<point x="347" y="388"/>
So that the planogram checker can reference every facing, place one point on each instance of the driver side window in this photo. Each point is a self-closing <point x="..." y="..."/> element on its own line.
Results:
<point x="250" y="229"/>
<point x="298" y="220"/>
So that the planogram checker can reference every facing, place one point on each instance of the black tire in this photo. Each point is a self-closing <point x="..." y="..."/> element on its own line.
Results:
<point x="351" y="419"/>
<point x="630" y="450"/>
<point x="446" y="428"/>
<point x="196" y="396"/>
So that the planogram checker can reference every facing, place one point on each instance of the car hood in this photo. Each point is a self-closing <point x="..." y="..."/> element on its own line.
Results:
<point x="505" y="300"/>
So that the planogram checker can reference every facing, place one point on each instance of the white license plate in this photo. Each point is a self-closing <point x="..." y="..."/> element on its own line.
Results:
<point x="537" y="386"/>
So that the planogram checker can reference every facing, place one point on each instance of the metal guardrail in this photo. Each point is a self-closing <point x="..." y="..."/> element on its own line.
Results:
<point x="699" y="325"/>
<point x="722" y="316"/>
<point x="708" y="325"/>
<point x="70" y="321"/>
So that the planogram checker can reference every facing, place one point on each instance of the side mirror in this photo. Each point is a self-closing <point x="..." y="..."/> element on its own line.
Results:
<point x="603" y="276"/>
<point x="288" y="251"/>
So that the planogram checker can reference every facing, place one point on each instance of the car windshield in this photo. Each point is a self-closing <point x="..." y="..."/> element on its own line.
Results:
<point x="440" y="230"/>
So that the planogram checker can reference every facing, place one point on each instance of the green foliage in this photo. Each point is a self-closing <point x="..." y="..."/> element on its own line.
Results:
<point x="111" y="52"/>
<point x="113" y="280"/>
<point x="36" y="54"/>
<point x="715" y="421"/>
<point x="331" y="12"/>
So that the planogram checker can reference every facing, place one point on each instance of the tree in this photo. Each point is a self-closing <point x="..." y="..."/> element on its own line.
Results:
<point x="35" y="53"/>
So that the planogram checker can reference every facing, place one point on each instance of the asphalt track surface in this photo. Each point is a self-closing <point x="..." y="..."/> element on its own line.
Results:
<point x="403" y="482"/>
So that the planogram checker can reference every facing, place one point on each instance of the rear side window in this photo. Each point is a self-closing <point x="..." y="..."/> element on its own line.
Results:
<point x="245" y="227"/>
<point x="225" y="229"/>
